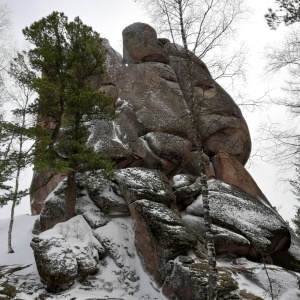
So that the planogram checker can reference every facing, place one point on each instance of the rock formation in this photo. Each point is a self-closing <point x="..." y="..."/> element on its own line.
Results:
<point x="156" y="183"/>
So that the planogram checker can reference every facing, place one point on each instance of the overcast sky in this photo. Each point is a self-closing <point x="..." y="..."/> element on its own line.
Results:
<point x="109" y="18"/>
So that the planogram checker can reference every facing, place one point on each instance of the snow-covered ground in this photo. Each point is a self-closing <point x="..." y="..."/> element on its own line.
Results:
<point x="121" y="275"/>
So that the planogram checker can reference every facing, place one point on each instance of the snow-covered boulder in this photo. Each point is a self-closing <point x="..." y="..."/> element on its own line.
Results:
<point x="65" y="252"/>
<point x="142" y="183"/>
<point x="234" y="210"/>
<point x="55" y="261"/>
<point x="160" y="235"/>
<point x="187" y="279"/>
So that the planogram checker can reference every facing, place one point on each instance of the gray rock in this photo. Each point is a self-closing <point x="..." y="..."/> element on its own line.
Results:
<point x="170" y="147"/>
<point x="142" y="183"/>
<point x="53" y="211"/>
<point x="226" y="241"/>
<point x="189" y="281"/>
<point x="160" y="235"/>
<point x="237" y="211"/>
<point x="65" y="252"/>
<point x="56" y="263"/>
<point x="140" y="44"/>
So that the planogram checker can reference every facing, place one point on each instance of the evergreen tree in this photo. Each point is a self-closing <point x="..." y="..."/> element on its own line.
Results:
<point x="65" y="60"/>
<point x="288" y="12"/>
<point x="16" y="150"/>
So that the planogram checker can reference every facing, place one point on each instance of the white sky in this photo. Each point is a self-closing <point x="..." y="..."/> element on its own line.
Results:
<point x="109" y="18"/>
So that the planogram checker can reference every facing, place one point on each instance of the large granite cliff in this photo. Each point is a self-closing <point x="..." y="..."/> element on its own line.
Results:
<point x="156" y="183"/>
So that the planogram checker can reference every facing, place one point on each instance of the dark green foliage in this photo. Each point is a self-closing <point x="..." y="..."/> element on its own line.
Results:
<point x="65" y="63"/>
<point x="69" y="56"/>
<point x="288" y="12"/>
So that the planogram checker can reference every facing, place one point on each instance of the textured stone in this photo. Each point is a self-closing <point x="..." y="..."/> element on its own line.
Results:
<point x="41" y="187"/>
<point x="231" y="171"/>
<point x="220" y="121"/>
<point x="237" y="211"/>
<point x="140" y="44"/>
<point x="142" y="183"/>
<point x="160" y="235"/>
<point x="189" y="281"/>
<point x="56" y="263"/>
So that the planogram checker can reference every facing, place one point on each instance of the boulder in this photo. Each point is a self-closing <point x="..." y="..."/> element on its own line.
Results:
<point x="289" y="259"/>
<point x="188" y="280"/>
<point x="220" y="121"/>
<point x="140" y="44"/>
<point x="160" y="235"/>
<point x="225" y="241"/>
<point x="65" y="252"/>
<point x="142" y="183"/>
<point x="43" y="183"/>
<point x="55" y="261"/>
<point x="53" y="211"/>
<point x="233" y="209"/>
<point x="193" y="165"/>
<point x="228" y="169"/>
<point x="170" y="147"/>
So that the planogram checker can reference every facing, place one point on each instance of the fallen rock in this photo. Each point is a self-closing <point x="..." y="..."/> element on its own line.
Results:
<point x="56" y="263"/>
<point x="66" y="252"/>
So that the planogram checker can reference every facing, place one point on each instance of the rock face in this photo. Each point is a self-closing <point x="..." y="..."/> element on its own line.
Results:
<point x="66" y="252"/>
<point x="156" y="185"/>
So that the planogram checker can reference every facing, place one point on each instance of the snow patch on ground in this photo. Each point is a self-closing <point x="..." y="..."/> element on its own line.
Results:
<point x="121" y="274"/>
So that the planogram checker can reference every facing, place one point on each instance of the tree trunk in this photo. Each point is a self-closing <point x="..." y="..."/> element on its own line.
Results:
<point x="70" y="197"/>
<point x="12" y="212"/>
<point x="213" y="272"/>
<point x="11" y="223"/>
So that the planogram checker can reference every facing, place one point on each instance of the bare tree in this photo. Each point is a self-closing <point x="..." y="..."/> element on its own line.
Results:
<point x="210" y="27"/>
<point x="284" y="139"/>
<point x="17" y="154"/>
<point x="203" y="28"/>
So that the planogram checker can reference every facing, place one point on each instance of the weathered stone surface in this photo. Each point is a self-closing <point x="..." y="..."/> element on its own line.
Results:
<point x="220" y="122"/>
<point x="110" y="203"/>
<point x="41" y="187"/>
<point x="190" y="190"/>
<point x="142" y="183"/>
<point x="189" y="281"/>
<point x="65" y="252"/>
<point x="56" y="263"/>
<point x="231" y="171"/>
<point x="154" y="95"/>
<point x="170" y="147"/>
<point x="226" y="241"/>
<point x="235" y="210"/>
<point x="160" y="235"/>
<point x="140" y="44"/>
<point x="289" y="259"/>
<point x="53" y="211"/>
<point x="193" y="165"/>
<point x="86" y="207"/>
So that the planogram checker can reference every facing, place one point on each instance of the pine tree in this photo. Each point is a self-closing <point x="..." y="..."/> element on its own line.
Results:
<point x="65" y="60"/>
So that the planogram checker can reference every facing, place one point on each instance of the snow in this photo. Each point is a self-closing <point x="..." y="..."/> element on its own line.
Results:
<point x="121" y="274"/>
<point x="21" y="236"/>
<point x="252" y="278"/>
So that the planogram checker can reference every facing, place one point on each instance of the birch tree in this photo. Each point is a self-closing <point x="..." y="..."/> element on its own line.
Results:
<point x="204" y="29"/>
